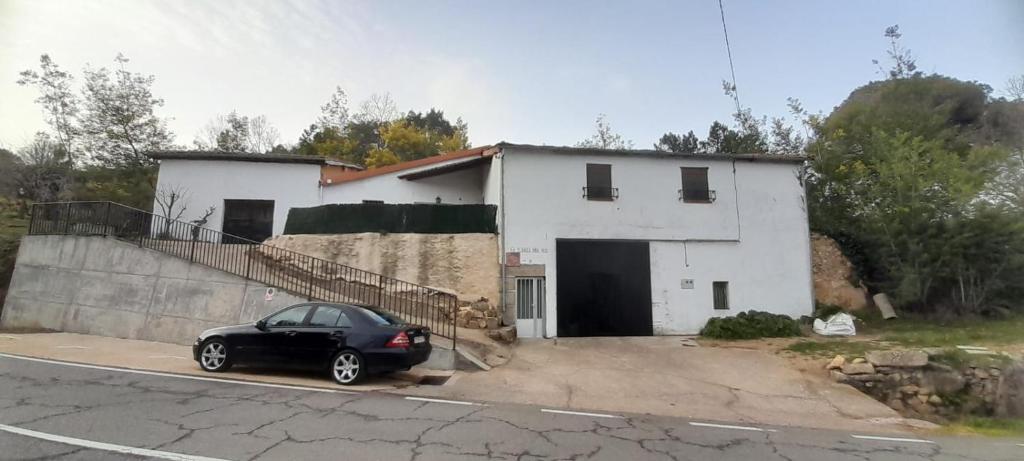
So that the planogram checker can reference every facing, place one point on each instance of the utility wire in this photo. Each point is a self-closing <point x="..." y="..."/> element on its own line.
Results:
<point x="728" y="49"/>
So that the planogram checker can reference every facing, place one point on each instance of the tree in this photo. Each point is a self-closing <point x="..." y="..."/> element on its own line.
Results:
<point x="334" y="114"/>
<point x="378" y="109"/>
<point x="899" y="171"/>
<point x="12" y="165"/>
<point x="903" y="63"/>
<point x="1015" y="88"/>
<point x="172" y="202"/>
<point x="605" y="138"/>
<point x="57" y="99"/>
<point x="237" y="133"/>
<point x="44" y="174"/>
<point x="671" y="142"/>
<point x="379" y="157"/>
<point x="119" y="123"/>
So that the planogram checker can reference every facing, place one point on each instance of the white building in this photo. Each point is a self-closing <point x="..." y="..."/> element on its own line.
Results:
<point x="592" y="242"/>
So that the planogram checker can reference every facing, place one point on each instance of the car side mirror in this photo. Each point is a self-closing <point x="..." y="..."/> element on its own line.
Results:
<point x="261" y="324"/>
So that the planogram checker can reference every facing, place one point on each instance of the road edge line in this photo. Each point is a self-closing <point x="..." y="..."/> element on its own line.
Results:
<point x="580" y="413"/>
<point x="889" y="439"/>
<point x="176" y="375"/>
<point x="104" y="446"/>
<point x="729" y="426"/>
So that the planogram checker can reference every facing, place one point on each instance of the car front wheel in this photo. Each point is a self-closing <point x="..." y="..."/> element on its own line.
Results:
<point x="214" y="356"/>
<point x="348" y="367"/>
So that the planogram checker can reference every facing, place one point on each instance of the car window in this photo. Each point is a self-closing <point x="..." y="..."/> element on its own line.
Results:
<point x="381" y="318"/>
<point x="329" y="316"/>
<point x="289" y="318"/>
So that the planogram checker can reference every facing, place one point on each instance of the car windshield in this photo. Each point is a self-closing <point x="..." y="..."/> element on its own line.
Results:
<point x="381" y="318"/>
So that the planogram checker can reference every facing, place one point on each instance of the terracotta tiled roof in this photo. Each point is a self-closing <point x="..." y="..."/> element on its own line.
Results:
<point x="484" y="151"/>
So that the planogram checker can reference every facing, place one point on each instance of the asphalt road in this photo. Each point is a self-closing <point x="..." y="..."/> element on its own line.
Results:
<point x="59" y="411"/>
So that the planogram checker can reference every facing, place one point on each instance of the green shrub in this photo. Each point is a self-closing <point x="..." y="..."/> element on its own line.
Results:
<point x="751" y="325"/>
<point x="824" y="310"/>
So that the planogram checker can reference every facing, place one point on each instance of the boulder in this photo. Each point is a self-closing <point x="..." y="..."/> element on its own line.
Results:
<point x="859" y="360"/>
<point x="504" y="334"/>
<point x="858" y="369"/>
<point x="838" y="376"/>
<point x="1010" y="403"/>
<point x="898" y="359"/>
<point x="909" y="389"/>
<point x="492" y="323"/>
<point x="836" y="363"/>
<point x="943" y="381"/>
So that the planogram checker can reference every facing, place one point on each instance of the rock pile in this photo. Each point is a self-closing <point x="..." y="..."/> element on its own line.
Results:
<point x="477" y="314"/>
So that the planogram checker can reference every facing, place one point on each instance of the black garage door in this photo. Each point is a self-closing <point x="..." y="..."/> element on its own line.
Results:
<point x="604" y="288"/>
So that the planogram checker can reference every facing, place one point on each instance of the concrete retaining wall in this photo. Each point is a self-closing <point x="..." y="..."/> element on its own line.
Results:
<point x="103" y="286"/>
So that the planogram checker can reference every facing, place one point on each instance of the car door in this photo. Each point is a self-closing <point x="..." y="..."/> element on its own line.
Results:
<point x="327" y="332"/>
<point x="281" y="340"/>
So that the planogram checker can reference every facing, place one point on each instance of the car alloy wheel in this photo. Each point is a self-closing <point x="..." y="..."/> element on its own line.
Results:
<point x="214" y="356"/>
<point x="347" y="367"/>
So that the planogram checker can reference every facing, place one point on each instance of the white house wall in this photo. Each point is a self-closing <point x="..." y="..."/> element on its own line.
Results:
<point x="210" y="182"/>
<point x="762" y="248"/>
<point x="461" y="187"/>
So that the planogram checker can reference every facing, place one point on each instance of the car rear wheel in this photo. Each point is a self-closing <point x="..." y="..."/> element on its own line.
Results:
<point x="214" y="356"/>
<point x="348" y="367"/>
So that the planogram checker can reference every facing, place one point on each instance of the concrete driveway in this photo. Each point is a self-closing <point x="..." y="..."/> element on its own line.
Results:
<point x="659" y="375"/>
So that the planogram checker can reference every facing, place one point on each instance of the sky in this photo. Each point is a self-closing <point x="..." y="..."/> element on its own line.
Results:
<point x="535" y="72"/>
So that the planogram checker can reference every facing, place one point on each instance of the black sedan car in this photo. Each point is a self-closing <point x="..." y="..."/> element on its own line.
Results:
<point x="348" y="340"/>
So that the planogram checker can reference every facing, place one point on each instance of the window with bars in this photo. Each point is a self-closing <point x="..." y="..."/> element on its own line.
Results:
<point x="599" y="183"/>
<point x="721" y="293"/>
<point x="695" y="186"/>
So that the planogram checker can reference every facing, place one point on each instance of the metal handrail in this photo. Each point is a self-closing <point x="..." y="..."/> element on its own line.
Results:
<point x="303" y="275"/>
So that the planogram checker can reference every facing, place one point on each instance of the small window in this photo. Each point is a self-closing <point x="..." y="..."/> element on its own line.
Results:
<point x="329" y="316"/>
<point x="290" y="318"/>
<point x="599" y="183"/>
<point x="695" y="186"/>
<point x="721" y="290"/>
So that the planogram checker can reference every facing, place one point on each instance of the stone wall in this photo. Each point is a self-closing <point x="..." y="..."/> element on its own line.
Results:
<point x="466" y="264"/>
<point x="917" y="387"/>
<point x="104" y="286"/>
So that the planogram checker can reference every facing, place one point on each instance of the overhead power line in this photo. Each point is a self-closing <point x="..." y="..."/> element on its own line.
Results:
<point x="728" y="49"/>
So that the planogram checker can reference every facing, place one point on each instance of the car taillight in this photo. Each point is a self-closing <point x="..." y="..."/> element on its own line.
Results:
<point x="400" y="340"/>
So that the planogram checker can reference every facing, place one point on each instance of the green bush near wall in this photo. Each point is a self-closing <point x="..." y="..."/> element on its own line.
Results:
<point x="751" y="325"/>
<point x="392" y="218"/>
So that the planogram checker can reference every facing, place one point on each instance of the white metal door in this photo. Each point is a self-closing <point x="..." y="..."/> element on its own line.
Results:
<point x="530" y="307"/>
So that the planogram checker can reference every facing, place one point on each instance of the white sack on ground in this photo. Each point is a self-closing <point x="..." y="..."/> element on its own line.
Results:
<point x="840" y="324"/>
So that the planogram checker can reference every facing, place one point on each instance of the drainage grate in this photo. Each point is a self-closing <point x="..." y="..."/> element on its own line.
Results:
<point x="433" y="380"/>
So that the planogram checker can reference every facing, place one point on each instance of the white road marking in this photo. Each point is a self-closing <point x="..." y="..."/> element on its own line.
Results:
<point x="71" y="347"/>
<point x="890" y="439"/>
<point x="453" y="402"/>
<point x="579" y="413"/>
<point x="175" y="375"/>
<point x="105" y="446"/>
<point x="726" y="426"/>
<point x="168" y="357"/>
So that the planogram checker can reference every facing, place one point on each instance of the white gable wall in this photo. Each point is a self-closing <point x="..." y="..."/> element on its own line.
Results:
<point x="210" y="182"/>
<point x="762" y="249"/>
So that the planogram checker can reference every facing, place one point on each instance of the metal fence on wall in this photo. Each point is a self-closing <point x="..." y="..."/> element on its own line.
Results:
<point x="303" y="275"/>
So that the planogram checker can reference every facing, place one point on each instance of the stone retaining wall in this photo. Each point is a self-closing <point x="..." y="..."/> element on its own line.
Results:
<point x="917" y="387"/>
